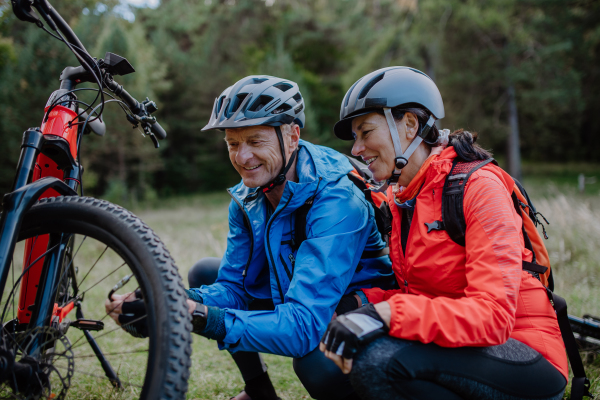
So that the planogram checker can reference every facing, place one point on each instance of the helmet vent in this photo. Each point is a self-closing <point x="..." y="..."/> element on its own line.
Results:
<point x="297" y="97"/>
<point x="369" y="86"/>
<point x="282" y="108"/>
<point x="260" y="103"/>
<point x="350" y="92"/>
<point x="299" y="108"/>
<point x="259" y="80"/>
<point x="219" y="105"/>
<point x="284" y="87"/>
<point x="237" y="101"/>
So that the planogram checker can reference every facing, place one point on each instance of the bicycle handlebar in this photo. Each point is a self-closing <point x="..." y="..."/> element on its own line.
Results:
<point x="55" y="20"/>
<point x="158" y="130"/>
<point x="142" y="112"/>
<point x="136" y="107"/>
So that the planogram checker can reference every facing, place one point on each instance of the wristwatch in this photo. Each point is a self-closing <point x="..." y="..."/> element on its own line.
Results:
<point x="199" y="318"/>
<point x="363" y="297"/>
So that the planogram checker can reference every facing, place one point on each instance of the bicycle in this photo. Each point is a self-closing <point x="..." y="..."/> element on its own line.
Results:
<point x="67" y="252"/>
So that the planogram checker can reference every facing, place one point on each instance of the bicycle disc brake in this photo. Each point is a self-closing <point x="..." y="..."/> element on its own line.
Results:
<point x="47" y="375"/>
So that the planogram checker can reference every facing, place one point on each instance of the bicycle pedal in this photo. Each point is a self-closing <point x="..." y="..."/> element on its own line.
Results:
<point x="88" y="324"/>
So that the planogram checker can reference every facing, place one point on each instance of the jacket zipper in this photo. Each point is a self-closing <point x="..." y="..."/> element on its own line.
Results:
<point x="269" y="246"/>
<point x="249" y="226"/>
<point x="403" y="263"/>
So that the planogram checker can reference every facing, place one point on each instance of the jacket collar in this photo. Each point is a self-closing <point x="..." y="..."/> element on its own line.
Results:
<point x="315" y="166"/>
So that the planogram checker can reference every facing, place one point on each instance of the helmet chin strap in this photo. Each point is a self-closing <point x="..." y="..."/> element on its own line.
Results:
<point x="281" y="178"/>
<point x="402" y="157"/>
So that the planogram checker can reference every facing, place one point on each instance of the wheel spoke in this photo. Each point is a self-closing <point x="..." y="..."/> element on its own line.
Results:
<point x="86" y="275"/>
<point x="13" y="283"/>
<point x="105" y="256"/>
<point x="113" y="330"/>
<point x="21" y="277"/>
<point x="115" y="270"/>
<point x="102" y="377"/>
<point x="113" y="354"/>
<point x="103" y="318"/>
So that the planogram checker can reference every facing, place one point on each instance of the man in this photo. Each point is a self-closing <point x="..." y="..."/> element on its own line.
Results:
<point x="302" y="239"/>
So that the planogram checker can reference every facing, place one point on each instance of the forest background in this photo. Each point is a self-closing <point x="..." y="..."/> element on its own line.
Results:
<point x="525" y="74"/>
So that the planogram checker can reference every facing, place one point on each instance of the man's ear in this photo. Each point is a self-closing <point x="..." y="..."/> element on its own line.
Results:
<point x="412" y="125"/>
<point x="294" y="136"/>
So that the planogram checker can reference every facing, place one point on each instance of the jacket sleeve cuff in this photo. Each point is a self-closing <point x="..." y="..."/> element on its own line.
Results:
<point x="377" y="295"/>
<point x="234" y="326"/>
<point x="374" y="295"/>
<point x="395" y="326"/>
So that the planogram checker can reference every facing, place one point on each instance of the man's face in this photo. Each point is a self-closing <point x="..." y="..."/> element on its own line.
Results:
<point x="255" y="154"/>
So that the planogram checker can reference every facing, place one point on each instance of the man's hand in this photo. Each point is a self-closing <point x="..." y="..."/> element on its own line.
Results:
<point x="345" y="334"/>
<point x="128" y="311"/>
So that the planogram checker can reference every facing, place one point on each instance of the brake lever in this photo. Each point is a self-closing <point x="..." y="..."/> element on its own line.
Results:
<point x="148" y="132"/>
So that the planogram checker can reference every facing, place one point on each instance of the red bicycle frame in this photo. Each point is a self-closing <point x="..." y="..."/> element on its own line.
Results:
<point x="58" y="124"/>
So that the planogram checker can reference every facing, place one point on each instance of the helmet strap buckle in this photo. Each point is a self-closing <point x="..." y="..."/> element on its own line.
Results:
<point x="400" y="162"/>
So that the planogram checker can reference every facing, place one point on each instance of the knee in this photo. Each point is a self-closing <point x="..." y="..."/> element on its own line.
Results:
<point x="204" y="272"/>
<point x="370" y="374"/>
<point x="321" y="377"/>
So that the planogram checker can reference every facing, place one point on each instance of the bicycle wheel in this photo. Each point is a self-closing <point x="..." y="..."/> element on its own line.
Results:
<point x="104" y="244"/>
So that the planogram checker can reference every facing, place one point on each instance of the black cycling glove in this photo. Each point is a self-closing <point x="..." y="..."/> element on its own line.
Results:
<point x="348" y="331"/>
<point x="133" y="318"/>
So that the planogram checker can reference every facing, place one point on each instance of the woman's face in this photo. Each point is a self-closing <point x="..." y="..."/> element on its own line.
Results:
<point x="373" y="142"/>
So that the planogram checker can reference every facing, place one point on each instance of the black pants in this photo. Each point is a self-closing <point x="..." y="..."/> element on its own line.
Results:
<point x="320" y="376"/>
<point x="390" y="368"/>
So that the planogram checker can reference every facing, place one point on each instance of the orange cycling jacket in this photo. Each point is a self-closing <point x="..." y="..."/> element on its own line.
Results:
<point x="477" y="295"/>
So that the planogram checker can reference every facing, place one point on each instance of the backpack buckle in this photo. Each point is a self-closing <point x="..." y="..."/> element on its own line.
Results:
<point x="435" y="226"/>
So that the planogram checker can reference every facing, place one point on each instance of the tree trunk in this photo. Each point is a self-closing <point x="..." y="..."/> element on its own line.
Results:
<point x="430" y="71"/>
<point x="513" y="145"/>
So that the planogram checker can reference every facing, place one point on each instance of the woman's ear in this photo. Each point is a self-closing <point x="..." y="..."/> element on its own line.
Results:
<point x="412" y="125"/>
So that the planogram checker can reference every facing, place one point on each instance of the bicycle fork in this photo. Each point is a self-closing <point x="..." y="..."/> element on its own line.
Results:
<point x="50" y="249"/>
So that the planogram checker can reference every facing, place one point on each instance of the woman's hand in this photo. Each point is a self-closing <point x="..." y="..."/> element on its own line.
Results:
<point x="344" y="335"/>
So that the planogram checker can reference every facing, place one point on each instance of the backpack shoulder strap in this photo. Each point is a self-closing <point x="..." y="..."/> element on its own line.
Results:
<point x="300" y="223"/>
<point x="383" y="219"/>
<point x="453" y="221"/>
<point x="453" y="217"/>
<point x="383" y="215"/>
<point x="580" y="385"/>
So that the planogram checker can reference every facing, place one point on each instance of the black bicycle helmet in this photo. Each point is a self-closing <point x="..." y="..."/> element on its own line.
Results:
<point x="387" y="88"/>
<point x="260" y="100"/>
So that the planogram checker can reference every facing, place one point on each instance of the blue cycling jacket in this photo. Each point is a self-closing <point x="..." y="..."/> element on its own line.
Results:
<point x="305" y="285"/>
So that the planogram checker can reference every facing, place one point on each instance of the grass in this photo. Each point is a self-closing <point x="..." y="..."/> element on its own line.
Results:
<point x="195" y="227"/>
<point x="198" y="229"/>
<point x="574" y="241"/>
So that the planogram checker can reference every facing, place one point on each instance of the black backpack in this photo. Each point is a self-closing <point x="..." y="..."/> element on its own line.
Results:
<point x="453" y="222"/>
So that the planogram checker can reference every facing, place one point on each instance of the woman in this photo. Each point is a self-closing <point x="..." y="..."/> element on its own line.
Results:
<point x="467" y="322"/>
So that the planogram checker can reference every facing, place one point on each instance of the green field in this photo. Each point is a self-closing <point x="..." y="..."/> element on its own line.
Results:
<point x="196" y="227"/>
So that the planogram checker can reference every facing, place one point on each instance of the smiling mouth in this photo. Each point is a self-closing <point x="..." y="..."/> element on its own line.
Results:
<point x="251" y="168"/>
<point x="371" y="160"/>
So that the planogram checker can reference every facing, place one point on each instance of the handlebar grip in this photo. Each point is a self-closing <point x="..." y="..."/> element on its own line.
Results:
<point x="158" y="131"/>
